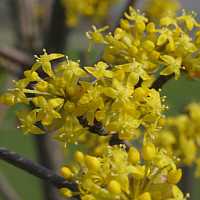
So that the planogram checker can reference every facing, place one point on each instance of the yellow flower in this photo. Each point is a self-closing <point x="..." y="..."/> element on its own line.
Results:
<point x="113" y="177"/>
<point x="46" y="111"/>
<point x="140" y="20"/>
<point x="173" y="66"/>
<point x="165" y="36"/>
<point x="19" y="90"/>
<point x="96" y="36"/>
<point x="169" y="20"/>
<point x="70" y="132"/>
<point x="70" y="72"/>
<point x="188" y="19"/>
<point x="44" y="60"/>
<point x="128" y="121"/>
<point x="28" y="123"/>
<point x="99" y="70"/>
<point x="136" y="70"/>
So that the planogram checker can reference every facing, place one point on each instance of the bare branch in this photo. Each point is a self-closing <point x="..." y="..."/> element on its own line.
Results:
<point x="160" y="81"/>
<point x="35" y="169"/>
<point x="18" y="56"/>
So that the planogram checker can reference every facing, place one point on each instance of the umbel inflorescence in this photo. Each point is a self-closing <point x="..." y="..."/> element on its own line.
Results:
<point x="115" y="103"/>
<point x="122" y="175"/>
<point x="60" y="100"/>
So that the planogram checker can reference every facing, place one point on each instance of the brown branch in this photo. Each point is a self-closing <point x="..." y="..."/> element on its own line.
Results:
<point x="160" y="81"/>
<point x="96" y="127"/>
<point x="35" y="169"/>
<point x="114" y="140"/>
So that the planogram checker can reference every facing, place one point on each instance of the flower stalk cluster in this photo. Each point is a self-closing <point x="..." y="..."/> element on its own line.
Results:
<point x="122" y="175"/>
<point x="118" y="103"/>
<point x="140" y="48"/>
<point x="111" y="100"/>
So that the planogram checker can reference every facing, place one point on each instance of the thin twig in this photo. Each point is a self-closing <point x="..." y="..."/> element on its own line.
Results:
<point x="35" y="169"/>
<point x="16" y="55"/>
<point x="160" y="81"/>
<point x="114" y="140"/>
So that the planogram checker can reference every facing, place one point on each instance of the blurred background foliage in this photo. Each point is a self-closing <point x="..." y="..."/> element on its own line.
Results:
<point x="30" y="25"/>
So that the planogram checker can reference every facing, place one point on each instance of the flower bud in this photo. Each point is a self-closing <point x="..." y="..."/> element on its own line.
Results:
<point x="92" y="163"/>
<point x="133" y="156"/>
<point x="139" y="27"/>
<point x="42" y="86"/>
<point x="139" y="172"/>
<point x="78" y="156"/>
<point x="120" y="75"/>
<point x="114" y="187"/>
<point x="144" y="196"/>
<point x="133" y="51"/>
<point x="69" y="106"/>
<point x="72" y="168"/>
<point x="154" y="55"/>
<point x="66" y="172"/>
<point x="66" y="192"/>
<point x="174" y="176"/>
<point x="148" y="151"/>
<point x="140" y="93"/>
<point x="124" y="24"/>
<point x="136" y="42"/>
<point x="33" y="75"/>
<point x="109" y="58"/>
<point x="148" y="45"/>
<point x="150" y="28"/>
<point x="100" y="115"/>
<point x="8" y="99"/>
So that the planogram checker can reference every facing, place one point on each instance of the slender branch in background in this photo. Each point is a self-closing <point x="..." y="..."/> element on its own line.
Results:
<point x="56" y="34"/>
<point x="160" y="81"/>
<point x="17" y="56"/>
<point x="35" y="169"/>
<point x="7" y="191"/>
<point x="13" y="68"/>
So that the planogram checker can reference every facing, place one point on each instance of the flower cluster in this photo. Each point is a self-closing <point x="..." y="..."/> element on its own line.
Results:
<point x="181" y="135"/>
<point x="111" y="100"/>
<point x="97" y="10"/>
<point x="140" y="48"/>
<point x="123" y="176"/>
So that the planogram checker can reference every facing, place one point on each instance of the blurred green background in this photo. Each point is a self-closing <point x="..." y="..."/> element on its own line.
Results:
<point x="179" y="93"/>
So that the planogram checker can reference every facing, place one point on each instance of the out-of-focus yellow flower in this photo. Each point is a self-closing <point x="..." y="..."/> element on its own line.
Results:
<point x="180" y="132"/>
<point x="156" y="9"/>
<point x="97" y="11"/>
